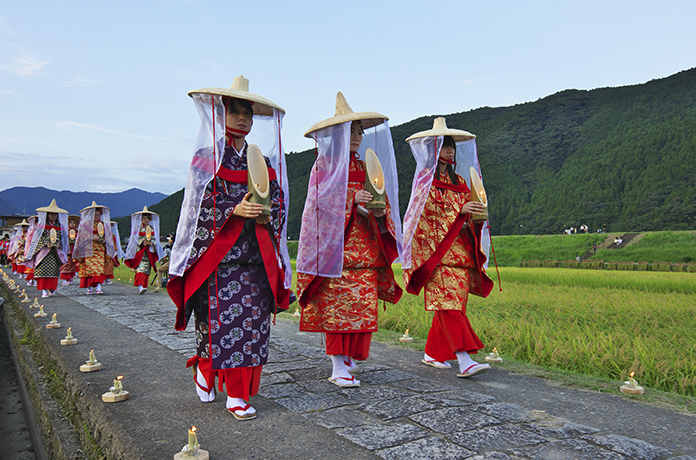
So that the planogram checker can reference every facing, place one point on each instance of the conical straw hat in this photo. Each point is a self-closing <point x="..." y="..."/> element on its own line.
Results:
<point x="440" y="129"/>
<point x="240" y="90"/>
<point x="53" y="207"/>
<point x="344" y="113"/>
<point x="145" y="211"/>
<point x="95" y="205"/>
<point x="23" y="223"/>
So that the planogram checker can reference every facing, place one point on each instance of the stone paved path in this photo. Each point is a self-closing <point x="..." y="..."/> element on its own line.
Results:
<point x="396" y="413"/>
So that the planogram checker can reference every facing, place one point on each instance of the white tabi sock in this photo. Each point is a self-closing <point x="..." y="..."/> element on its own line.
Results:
<point x="239" y="402"/>
<point x="465" y="361"/>
<point x="339" y="367"/>
<point x="99" y="287"/>
<point x="202" y="394"/>
<point x="140" y="289"/>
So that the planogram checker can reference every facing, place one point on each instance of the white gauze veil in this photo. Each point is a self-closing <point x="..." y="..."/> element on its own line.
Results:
<point x="426" y="151"/>
<point x="132" y="247"/>
<point x="83" y="240"/>
<point x="64" y="239"/>
<point x="266" y="134"/>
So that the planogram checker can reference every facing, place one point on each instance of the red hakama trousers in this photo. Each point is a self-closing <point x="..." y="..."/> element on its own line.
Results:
<point x="47" y="283"/>
<point x="451" y="332"/>
<point x="241" y="382"/>
<point x="92" y="281"/>
<point x="353" y="344"/>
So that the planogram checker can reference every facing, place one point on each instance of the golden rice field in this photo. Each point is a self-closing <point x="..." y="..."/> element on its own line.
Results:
<point x="591" y="322"/>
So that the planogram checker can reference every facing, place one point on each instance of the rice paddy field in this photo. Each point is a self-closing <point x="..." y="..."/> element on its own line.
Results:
<point x="595" y="323"/>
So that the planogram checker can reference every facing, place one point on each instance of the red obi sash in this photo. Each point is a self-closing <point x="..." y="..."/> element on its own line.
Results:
<point x="461" y="188"/>
<point x="240" y="177"/>
<point x="356" y="176"/>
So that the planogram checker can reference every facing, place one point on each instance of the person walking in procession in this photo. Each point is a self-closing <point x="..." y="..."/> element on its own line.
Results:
<point x="94" y="247"/>
<point x="49" y="247"/>
<point x="144" y="248"/>
<point x="229" y="264"/>
<point x="347" y="246"/>
<point x="443" y="239"/>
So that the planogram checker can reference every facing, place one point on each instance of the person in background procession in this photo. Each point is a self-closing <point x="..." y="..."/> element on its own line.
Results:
<point x="118" y="256"/>
<point x="4" y="246"/>
<point x="144" y="249"/>
<point x="94" y="247"/>
<point x="49" y="247"/>
<point x="29" y="269"/>
<point x="163" y="269"/>
<point x="16" y="250"/>
<point x="69" y="268"/>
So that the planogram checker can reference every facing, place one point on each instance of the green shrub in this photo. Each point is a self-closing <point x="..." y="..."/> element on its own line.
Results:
<point x="642" y="266"/>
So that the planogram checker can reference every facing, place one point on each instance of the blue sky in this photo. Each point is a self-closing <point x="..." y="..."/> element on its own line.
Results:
<point x="93" y="94"/>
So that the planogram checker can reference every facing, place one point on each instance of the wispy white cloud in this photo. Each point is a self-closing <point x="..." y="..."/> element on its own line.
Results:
<point x="104" y="130"/>
<point x="11" y="92"/>
<point x="78" y="80"/>
<point x="23" y="62"/>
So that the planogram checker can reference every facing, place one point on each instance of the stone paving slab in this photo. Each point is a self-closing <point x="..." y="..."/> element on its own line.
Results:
<point x="454" y="419"/>
<point x="404" y="409"/>
<point x="495" y="437"/>
<point x="380" y="436"/>
<point x="575" y="449"/>
<point x="389" y="410"/>
<point x="630" y="447"/>
<point x="339" y="418"/>
<point x="426" y="449"/>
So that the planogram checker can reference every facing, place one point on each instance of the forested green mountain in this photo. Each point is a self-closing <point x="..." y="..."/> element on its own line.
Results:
<point x="621" y="156"/>
<point x="624" y="157"/>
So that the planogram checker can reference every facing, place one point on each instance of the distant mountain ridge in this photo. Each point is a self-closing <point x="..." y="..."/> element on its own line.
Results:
<point x="26" y="199"/>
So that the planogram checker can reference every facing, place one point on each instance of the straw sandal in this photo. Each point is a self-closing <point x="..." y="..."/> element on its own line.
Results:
<point x="436" y="364"/>
<point x="475" y="369"/>
<point x="233" y="411"/>
<point x="344" y="382"/>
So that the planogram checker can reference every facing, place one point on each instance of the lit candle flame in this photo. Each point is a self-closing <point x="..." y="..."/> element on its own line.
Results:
<point x="193" y="428"/>
<point x="119" y="377"/>
<point x="632" y="373"/>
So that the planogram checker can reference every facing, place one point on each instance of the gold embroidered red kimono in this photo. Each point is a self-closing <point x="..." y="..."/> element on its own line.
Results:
<point x="92" y="269"/>
<point x="349" y="304"/>
<point x="447" y="261"/>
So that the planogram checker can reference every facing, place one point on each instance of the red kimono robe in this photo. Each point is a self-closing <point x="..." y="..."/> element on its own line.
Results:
<point x="345" y="308"/>
<point x="447" y="261"/>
